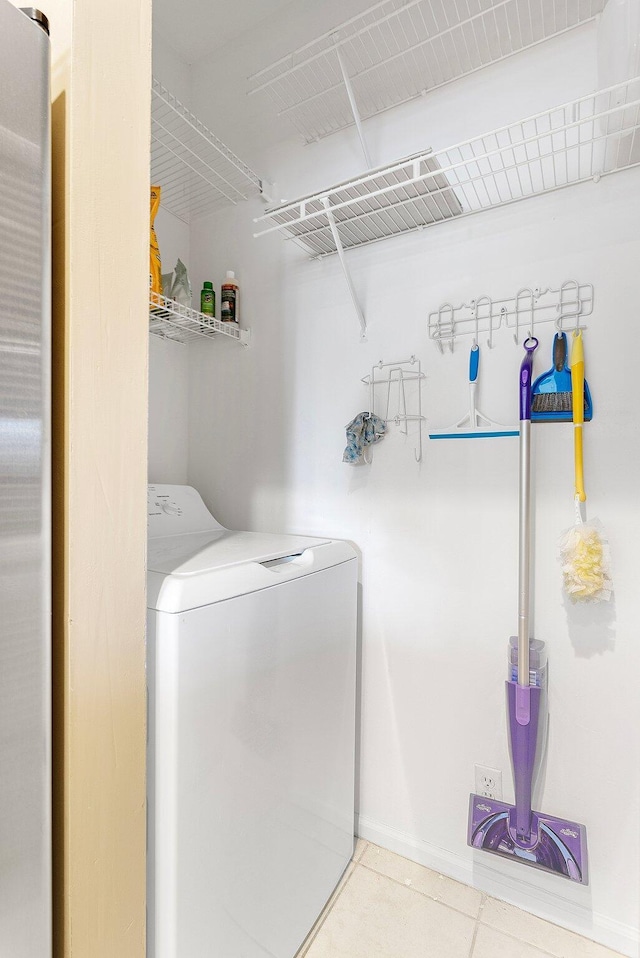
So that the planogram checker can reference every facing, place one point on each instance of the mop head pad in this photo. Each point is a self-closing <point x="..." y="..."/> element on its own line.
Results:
<point x="585" y="561"/>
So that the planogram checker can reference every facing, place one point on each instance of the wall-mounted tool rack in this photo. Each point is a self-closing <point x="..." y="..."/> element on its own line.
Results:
<point x="391" y="403"/>
<point x="567" y="307"/>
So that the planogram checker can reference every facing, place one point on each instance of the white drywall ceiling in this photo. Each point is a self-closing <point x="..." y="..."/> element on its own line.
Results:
<point x="197" y="27"/>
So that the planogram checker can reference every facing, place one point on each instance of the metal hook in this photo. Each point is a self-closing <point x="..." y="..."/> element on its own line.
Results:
<point x="571" y="308"/>
<point x="490" y="339"/>
<point x="531" y="293"/>
<point x="446" y="328"/>
<point x="474" y="306"/>
<point x="503" y="313"/>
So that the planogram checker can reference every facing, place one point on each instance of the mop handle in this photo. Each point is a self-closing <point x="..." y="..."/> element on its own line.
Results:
<point x="577" y="389"/>
<point x="524" y="561"/>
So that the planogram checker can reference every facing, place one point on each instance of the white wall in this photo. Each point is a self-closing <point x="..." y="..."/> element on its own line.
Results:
<point x="439" y="542"/>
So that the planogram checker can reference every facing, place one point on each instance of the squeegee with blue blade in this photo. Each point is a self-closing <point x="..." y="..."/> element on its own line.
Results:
<point x="474" y="425"/>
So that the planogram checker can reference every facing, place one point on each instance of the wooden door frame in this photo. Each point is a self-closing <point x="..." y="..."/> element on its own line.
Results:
<point x="101" y="59"/>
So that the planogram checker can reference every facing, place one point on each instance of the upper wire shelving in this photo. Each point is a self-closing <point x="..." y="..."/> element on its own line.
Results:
<point x="581" y="140"/>
<point x="399" y="49"/>
<point x="411" y="194"/>
<point x="197" y="172"/>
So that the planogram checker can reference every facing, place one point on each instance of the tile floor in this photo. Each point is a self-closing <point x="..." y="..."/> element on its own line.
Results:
<point x="389" y="907"/>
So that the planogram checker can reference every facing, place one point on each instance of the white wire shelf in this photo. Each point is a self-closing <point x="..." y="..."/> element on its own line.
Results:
<point x="171" y="320"/>
<point x="399" y="49"/>
<point x="578" y="141"/>
<point x="197" y="172"/>
<point x="391" y="200"/>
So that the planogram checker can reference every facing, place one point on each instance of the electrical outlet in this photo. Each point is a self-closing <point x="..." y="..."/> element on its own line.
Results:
<point x="489" y="782"/>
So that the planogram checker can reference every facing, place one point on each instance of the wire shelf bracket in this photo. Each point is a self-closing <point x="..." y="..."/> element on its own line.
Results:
<point x="397" y="50"/>
<point x="394" y="408"/>
<point x="197" y="172"/>
<point x="566" y="307"/>
<point x="354" y="108"/>
<point x="386" y="202"/>
<point x="347" y="273"/>
<point x="181" y="324"/>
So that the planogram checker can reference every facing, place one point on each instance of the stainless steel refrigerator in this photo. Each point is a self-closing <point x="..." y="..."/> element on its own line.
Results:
<point x="25" y="501"/>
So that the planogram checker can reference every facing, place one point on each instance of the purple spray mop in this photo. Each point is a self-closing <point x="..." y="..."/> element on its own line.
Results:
<point x="515" y="831"/>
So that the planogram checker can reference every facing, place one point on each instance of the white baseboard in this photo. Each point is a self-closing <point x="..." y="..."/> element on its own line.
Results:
<point x="572" y="913"/>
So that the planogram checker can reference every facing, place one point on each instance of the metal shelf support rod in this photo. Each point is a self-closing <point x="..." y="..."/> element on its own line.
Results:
<point x="345" y="270"/>
<point x="354" y="108"/>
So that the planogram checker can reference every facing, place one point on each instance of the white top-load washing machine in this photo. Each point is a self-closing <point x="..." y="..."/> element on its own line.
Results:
<point x="251" y="670"/>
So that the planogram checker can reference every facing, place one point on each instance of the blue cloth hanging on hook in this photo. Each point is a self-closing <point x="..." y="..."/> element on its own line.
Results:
<point x="363" y="431"/>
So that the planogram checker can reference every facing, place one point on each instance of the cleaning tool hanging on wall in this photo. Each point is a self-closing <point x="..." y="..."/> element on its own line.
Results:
<point x="474" y="425"/>
<point x="552" y="397"/>
<point x="584" y="550"/>
<point x="515" y="831"/>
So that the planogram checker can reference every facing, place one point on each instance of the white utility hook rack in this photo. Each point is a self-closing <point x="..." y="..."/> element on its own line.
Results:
<point x="566" y="307"/>
<point x="395" y="376"/>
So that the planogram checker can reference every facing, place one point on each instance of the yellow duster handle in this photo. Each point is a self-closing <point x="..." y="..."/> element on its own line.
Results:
<point x="577" y="389"/>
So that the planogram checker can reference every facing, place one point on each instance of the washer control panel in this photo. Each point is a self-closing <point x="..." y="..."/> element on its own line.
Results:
<point x="159" y="503"/>
<point x="177" y="510"/>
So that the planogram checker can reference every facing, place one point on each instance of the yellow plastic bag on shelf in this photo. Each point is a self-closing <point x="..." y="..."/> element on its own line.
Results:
<point x="155" y="266"/>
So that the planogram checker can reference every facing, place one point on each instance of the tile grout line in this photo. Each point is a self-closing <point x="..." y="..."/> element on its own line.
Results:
<point x="508" y="934"/>
<point x="365" y="845"/>
<point x="328" y="908"/>
<point x="473" y="940"/>
<point x="478" y="918"/>
<point x="438" y="901"/>
<point x="477" y="924"/>
<point x="531" y="944"/>
<point x="333" y="898"/>
<point x="356" y="862"/>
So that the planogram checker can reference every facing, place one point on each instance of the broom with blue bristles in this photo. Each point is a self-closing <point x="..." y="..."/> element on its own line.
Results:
<point x="584" y="549"/>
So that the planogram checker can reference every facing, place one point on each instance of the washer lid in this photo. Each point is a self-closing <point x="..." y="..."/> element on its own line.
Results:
<point x="199" y="552"/>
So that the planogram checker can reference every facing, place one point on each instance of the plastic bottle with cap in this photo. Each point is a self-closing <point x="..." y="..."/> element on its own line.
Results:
<point x="208" y="300"/>
<point x="229" y="299"/>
